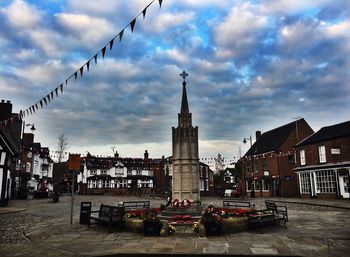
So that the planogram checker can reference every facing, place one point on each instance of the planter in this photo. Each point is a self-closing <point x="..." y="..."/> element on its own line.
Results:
<point x="212" y="228"/>
<point x="151" y="228"/>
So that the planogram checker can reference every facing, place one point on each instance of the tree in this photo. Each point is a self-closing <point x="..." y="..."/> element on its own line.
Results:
<point x="62" y="145"/>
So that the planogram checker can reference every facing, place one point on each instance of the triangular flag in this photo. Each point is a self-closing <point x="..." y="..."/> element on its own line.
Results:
<point x="27" y="112"/>
<point x="144" y="12"/>
<point x="75" y="77"/>
<point x="121" y="35"/>
<point x="81" y="71"/>
<point x="41" y="104"/>
<point x="61" y="87"/>
<point x="48" y="97"/>
<point x="132" y="25"/>
<point x="88" y="65"/>
<point x="160" y="3"/>
<point x="56" y="91"/>
<point x="111" y="44"/>
<point x="51" y="95"/>
<point x="30" y="109"/>
<point x="36" y="106"/>
<point x="103" y="52"/>
<point x="95" y="57"/>
<point x="45" y="100"/>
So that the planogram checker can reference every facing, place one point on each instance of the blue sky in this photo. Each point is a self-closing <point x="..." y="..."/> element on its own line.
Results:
<point x="253" y="65"/>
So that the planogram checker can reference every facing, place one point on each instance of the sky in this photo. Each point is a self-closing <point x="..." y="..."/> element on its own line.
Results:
<point x="252" y="65"/>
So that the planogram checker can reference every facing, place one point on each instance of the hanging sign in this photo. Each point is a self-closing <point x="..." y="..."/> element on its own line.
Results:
<point x="74" y="162"/>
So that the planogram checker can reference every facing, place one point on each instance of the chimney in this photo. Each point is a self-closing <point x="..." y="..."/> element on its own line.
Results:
<point x="146" y="155"/>
<point x="257" y="135"/>
<point x="116" y="155"/>
<point x="5" y="110"/>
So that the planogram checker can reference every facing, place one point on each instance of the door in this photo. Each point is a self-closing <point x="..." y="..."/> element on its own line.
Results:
<point x="344" y="186"/>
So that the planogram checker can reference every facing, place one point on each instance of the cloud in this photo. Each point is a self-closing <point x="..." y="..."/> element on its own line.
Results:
<point x="88" y="30"/>
<point x="239" y="32"/>
<point x="22" y="15"/>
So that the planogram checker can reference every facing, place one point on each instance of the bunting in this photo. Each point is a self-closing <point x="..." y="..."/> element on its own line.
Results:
<point x="49" y="97"/>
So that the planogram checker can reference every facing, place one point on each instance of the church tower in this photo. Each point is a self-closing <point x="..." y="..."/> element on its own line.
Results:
<point x="185" y="159"/>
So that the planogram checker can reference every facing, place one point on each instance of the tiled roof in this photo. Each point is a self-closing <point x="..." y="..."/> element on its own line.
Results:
<point x="272" y="140"/>
<point x="94" y="162"/>
<point x="328" y="133"/>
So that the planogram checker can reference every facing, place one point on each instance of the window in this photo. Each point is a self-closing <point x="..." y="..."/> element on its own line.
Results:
<point x="322" y="153"/>
<point x="305" y="183"/>
<point x="249" y="185"/>
<point x="265" y="185"/>
<point x="92" y="172"/>
<point x="257" y="185"/>
<point x="264" y="166"/>
<point x="325" y="181"/>
<point x="302" y="157"/>
<point x="290" y="158"/>
<point x="202" y="185"/>
<point x="256" y="166"/>
<point x="103" y="171"/>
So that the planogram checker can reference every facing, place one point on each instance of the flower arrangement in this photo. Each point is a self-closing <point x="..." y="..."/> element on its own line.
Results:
<point x="172" y="229"/>
<point x="186" y="203"/>
<point x="176" y="203"/>
<point x="195" y="227"/>
<point x="150" y="216"/>
<point x="140" y="213"/>
<point x="210" y="214"/>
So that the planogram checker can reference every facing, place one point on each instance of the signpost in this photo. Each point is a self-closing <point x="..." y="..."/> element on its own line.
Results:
<point x="73" y="165"/>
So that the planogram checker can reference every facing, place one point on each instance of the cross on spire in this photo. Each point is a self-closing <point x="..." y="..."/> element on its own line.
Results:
<point x="184" y="75"/>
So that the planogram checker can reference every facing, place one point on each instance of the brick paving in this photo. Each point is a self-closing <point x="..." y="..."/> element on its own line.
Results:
<point x="36" y="227"/>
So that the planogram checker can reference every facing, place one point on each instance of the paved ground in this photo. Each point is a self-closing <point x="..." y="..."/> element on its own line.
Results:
<point x="38" y="228"/>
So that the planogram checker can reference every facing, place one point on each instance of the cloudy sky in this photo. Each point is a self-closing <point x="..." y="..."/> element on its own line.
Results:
<point x="253" y="65"/>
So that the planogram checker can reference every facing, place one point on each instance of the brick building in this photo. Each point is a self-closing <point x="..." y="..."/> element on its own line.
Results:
<point x="268" y="165"/>
<point x="324" y="162"/>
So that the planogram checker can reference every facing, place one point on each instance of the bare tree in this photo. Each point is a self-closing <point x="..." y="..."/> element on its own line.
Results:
<point x="62" y="145"/>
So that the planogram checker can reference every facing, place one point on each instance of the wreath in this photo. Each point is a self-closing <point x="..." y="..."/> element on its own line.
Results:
<point x="186" y="203"/>
<point x="176" y="203"/>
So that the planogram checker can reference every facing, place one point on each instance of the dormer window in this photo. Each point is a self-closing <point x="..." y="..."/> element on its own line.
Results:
<point x="93" y="172"/>
<point x="103" y="171"/>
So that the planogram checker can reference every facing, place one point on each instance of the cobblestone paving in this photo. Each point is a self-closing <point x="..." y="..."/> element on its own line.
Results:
<point x="43" y="229"/>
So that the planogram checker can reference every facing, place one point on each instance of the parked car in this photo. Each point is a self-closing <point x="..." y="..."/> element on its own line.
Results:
<point x="232" y="192"/>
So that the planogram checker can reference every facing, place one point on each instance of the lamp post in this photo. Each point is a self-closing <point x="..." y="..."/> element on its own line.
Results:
<point x="253" y="184"/>
<point x="21" y="155"/>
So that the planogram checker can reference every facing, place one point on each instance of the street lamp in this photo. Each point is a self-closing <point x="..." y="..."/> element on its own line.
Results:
<point x="246" y="138"/>
<point x="252" y="171"/>
<point x="21" y="155"/>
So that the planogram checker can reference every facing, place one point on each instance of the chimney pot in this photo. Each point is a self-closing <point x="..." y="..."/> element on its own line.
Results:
<point x="257" y="134"/>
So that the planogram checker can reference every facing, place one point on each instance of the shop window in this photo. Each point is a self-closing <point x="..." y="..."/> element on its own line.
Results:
<point x="325" y="181"/>
<point x="257" y="185"/>
<point x="256" y="166"/>
<point x="305" y="183"/>
<point x="249" y="185"/>
<point x="265" y="185"/>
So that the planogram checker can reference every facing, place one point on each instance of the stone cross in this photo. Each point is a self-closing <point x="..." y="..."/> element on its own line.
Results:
<point x="184" y="75"/>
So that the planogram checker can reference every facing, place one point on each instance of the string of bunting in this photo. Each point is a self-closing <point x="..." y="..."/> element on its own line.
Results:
<point x="44" y="101"/>
<point x="268" y="155"/>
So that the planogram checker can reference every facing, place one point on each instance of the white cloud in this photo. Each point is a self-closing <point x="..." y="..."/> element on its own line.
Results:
<point x="239" y="31"/>
<point x="281" y="7"/>
<point x="88" y="30"/>
<point x="22" y="15"/>
<point x="164" y="21"/>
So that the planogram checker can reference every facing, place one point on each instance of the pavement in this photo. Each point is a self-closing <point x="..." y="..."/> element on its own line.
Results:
<point x="37" y="228"/>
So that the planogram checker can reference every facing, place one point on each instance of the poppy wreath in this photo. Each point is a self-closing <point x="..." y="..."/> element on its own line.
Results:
<point x="176" y="203"/>
<point x="186" y="203"/>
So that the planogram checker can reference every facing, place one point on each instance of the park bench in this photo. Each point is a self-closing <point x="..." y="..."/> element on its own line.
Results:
<point x="134" y="205"/>
<point x="232" y="204"/>
<point x="268" y="216"/>
<point x="280" y="212"/>
<point x="107" y="214"/>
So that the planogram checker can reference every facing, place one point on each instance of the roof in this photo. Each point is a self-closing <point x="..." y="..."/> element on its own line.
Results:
<point x="328" y="133"/>
<point x="272" y="140"/>
<point x="12" y="136"/>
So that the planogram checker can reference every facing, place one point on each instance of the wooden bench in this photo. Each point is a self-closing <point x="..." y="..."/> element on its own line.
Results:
<point x="280" y="212"/>
<point x="134" y="205"/>
<point x="110" y="215"/>
<point x="232" y="204"/>
<point x="268" y="216"/>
